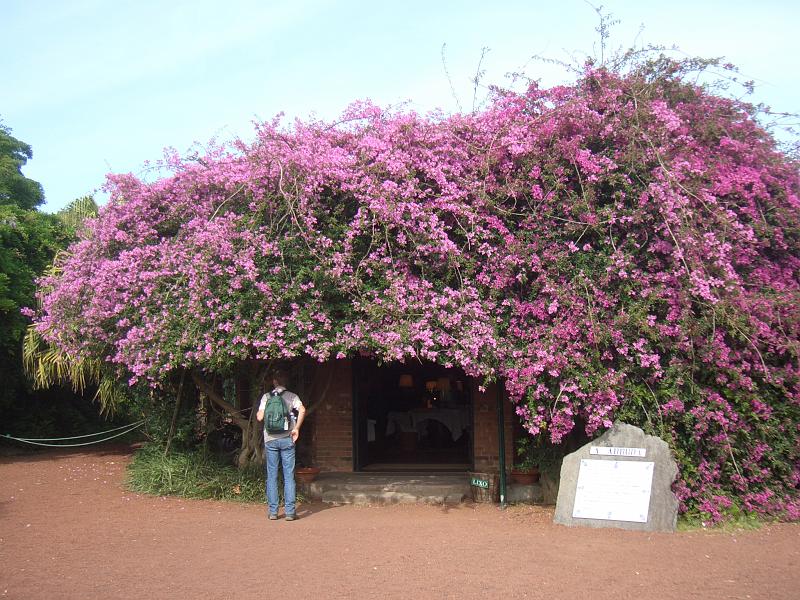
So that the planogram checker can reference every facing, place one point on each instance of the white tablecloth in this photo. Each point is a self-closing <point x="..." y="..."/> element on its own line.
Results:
<point x="398" y="421"/>
<point x="455" y="419"/>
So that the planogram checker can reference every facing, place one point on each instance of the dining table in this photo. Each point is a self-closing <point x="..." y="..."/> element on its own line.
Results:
<point x="456" y="420"/>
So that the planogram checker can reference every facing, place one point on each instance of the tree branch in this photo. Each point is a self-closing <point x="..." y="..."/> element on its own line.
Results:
<point x="205" y="387"/>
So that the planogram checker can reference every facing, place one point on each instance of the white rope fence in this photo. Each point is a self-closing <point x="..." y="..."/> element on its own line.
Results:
<point x="125" y="429"/>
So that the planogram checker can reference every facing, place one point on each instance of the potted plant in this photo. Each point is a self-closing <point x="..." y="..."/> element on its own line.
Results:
<point x="537" y="459"/>
<point x="525" y="470"/>
<point x="305" y="474"/>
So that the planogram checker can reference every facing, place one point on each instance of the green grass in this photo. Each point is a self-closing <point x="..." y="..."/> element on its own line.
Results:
<point x="193" y="474"/>
<point x="734" y="521"/>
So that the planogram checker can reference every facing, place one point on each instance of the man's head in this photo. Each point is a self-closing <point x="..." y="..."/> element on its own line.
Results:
<point x="280" y="378"/>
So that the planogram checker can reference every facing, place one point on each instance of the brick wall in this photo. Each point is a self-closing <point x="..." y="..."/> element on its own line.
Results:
<point x="331" y="423"/>
<point x="486" y="447"/>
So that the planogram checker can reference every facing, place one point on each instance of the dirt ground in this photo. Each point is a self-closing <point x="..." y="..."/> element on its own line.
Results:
<point x="69" y="529"/>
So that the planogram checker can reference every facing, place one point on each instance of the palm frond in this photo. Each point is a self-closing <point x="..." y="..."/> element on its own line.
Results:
<point x="47" y="365"/>
<point x="76" y="212"/>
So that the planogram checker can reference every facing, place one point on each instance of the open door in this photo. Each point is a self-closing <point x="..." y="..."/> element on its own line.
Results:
<point x="411" y="417"/>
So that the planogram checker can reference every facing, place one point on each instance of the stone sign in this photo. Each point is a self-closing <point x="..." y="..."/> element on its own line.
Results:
<point x="622" y="479"/>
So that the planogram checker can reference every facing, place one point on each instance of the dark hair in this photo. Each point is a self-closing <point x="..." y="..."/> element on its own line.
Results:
<point x="280" y="377"/>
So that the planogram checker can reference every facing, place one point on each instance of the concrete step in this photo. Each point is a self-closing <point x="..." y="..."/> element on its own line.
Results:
<point x="376" y="497"/>
<point x="524" y="494"/>
<point x="361" y="488"/>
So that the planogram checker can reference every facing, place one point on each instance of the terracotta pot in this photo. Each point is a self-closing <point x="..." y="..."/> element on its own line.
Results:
<point x="525" y="477"/>
<point x="306" y="474"/>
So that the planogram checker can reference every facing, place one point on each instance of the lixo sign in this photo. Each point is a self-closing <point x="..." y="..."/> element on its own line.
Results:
<point x="481" y="483"/>
<point x="622" y="479"/>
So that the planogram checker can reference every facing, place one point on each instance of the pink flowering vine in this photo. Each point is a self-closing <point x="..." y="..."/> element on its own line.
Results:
<point x="624" y="247"/>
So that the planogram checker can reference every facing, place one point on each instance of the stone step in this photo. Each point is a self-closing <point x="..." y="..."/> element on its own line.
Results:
<point x="524" y="494"/>
<point x="380" y="497"/>
<point x="445" y="488"/>
<point x="413" y="488"/>
<point x="360" y="488"/>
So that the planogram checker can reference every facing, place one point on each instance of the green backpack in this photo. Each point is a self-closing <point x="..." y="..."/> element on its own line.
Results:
<point x="276" y="414"/>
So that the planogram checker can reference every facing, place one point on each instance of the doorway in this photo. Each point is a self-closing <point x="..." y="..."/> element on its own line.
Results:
<point x="411" y="417"/>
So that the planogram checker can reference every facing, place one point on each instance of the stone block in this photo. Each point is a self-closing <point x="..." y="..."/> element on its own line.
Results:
<point x="662" y="511"/>
<point x="524" y="494"/>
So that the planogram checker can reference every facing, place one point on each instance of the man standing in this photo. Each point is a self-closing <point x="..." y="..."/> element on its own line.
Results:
<point x="283" y="414"/>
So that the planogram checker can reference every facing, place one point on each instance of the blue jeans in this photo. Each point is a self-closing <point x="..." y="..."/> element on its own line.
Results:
<point x="281" y="451"/>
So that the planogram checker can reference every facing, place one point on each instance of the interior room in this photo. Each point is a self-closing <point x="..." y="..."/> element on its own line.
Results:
<point x="412" y="417"/>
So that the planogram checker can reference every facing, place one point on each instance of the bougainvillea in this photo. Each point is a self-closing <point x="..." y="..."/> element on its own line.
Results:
<point x="624" y="247"/>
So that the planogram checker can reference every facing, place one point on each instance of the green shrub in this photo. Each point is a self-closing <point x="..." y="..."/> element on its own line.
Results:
<point x="193" y="474"/>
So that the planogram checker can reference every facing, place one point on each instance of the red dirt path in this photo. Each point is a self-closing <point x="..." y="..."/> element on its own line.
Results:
<point x="68" y="529"/>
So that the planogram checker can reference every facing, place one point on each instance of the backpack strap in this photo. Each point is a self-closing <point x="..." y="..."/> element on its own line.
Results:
<point x="287" y="405"/>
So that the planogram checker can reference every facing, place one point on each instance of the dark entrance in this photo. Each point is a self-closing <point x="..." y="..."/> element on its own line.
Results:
<point x="411" y="417"/>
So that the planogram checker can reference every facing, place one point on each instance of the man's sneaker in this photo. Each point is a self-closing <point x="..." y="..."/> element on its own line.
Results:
<point x="272" y="517"/>
<point x="291" y="517"/>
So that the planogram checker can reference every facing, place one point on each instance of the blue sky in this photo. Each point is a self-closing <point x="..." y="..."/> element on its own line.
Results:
<point x="98" y="85"/>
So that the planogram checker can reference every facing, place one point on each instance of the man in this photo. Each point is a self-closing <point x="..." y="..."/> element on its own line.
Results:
<point x="279" y="441"/>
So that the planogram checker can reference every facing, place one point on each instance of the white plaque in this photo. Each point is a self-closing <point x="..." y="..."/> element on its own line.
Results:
<point x="615" y="451"/>
<point x="613" y="490"/>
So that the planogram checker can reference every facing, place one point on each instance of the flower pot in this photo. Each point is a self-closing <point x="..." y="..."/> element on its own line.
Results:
<point x="527" y="477"/>
<point x="305" y="474"/>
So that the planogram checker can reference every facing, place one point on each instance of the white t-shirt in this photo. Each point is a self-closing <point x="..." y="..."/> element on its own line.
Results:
<point x="291" y="397"/>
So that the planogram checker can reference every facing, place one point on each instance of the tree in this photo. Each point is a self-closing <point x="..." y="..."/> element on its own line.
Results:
<point x="625" y="246"/>
<point x="29" y="242"/>
<point x="15" y="188"/>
